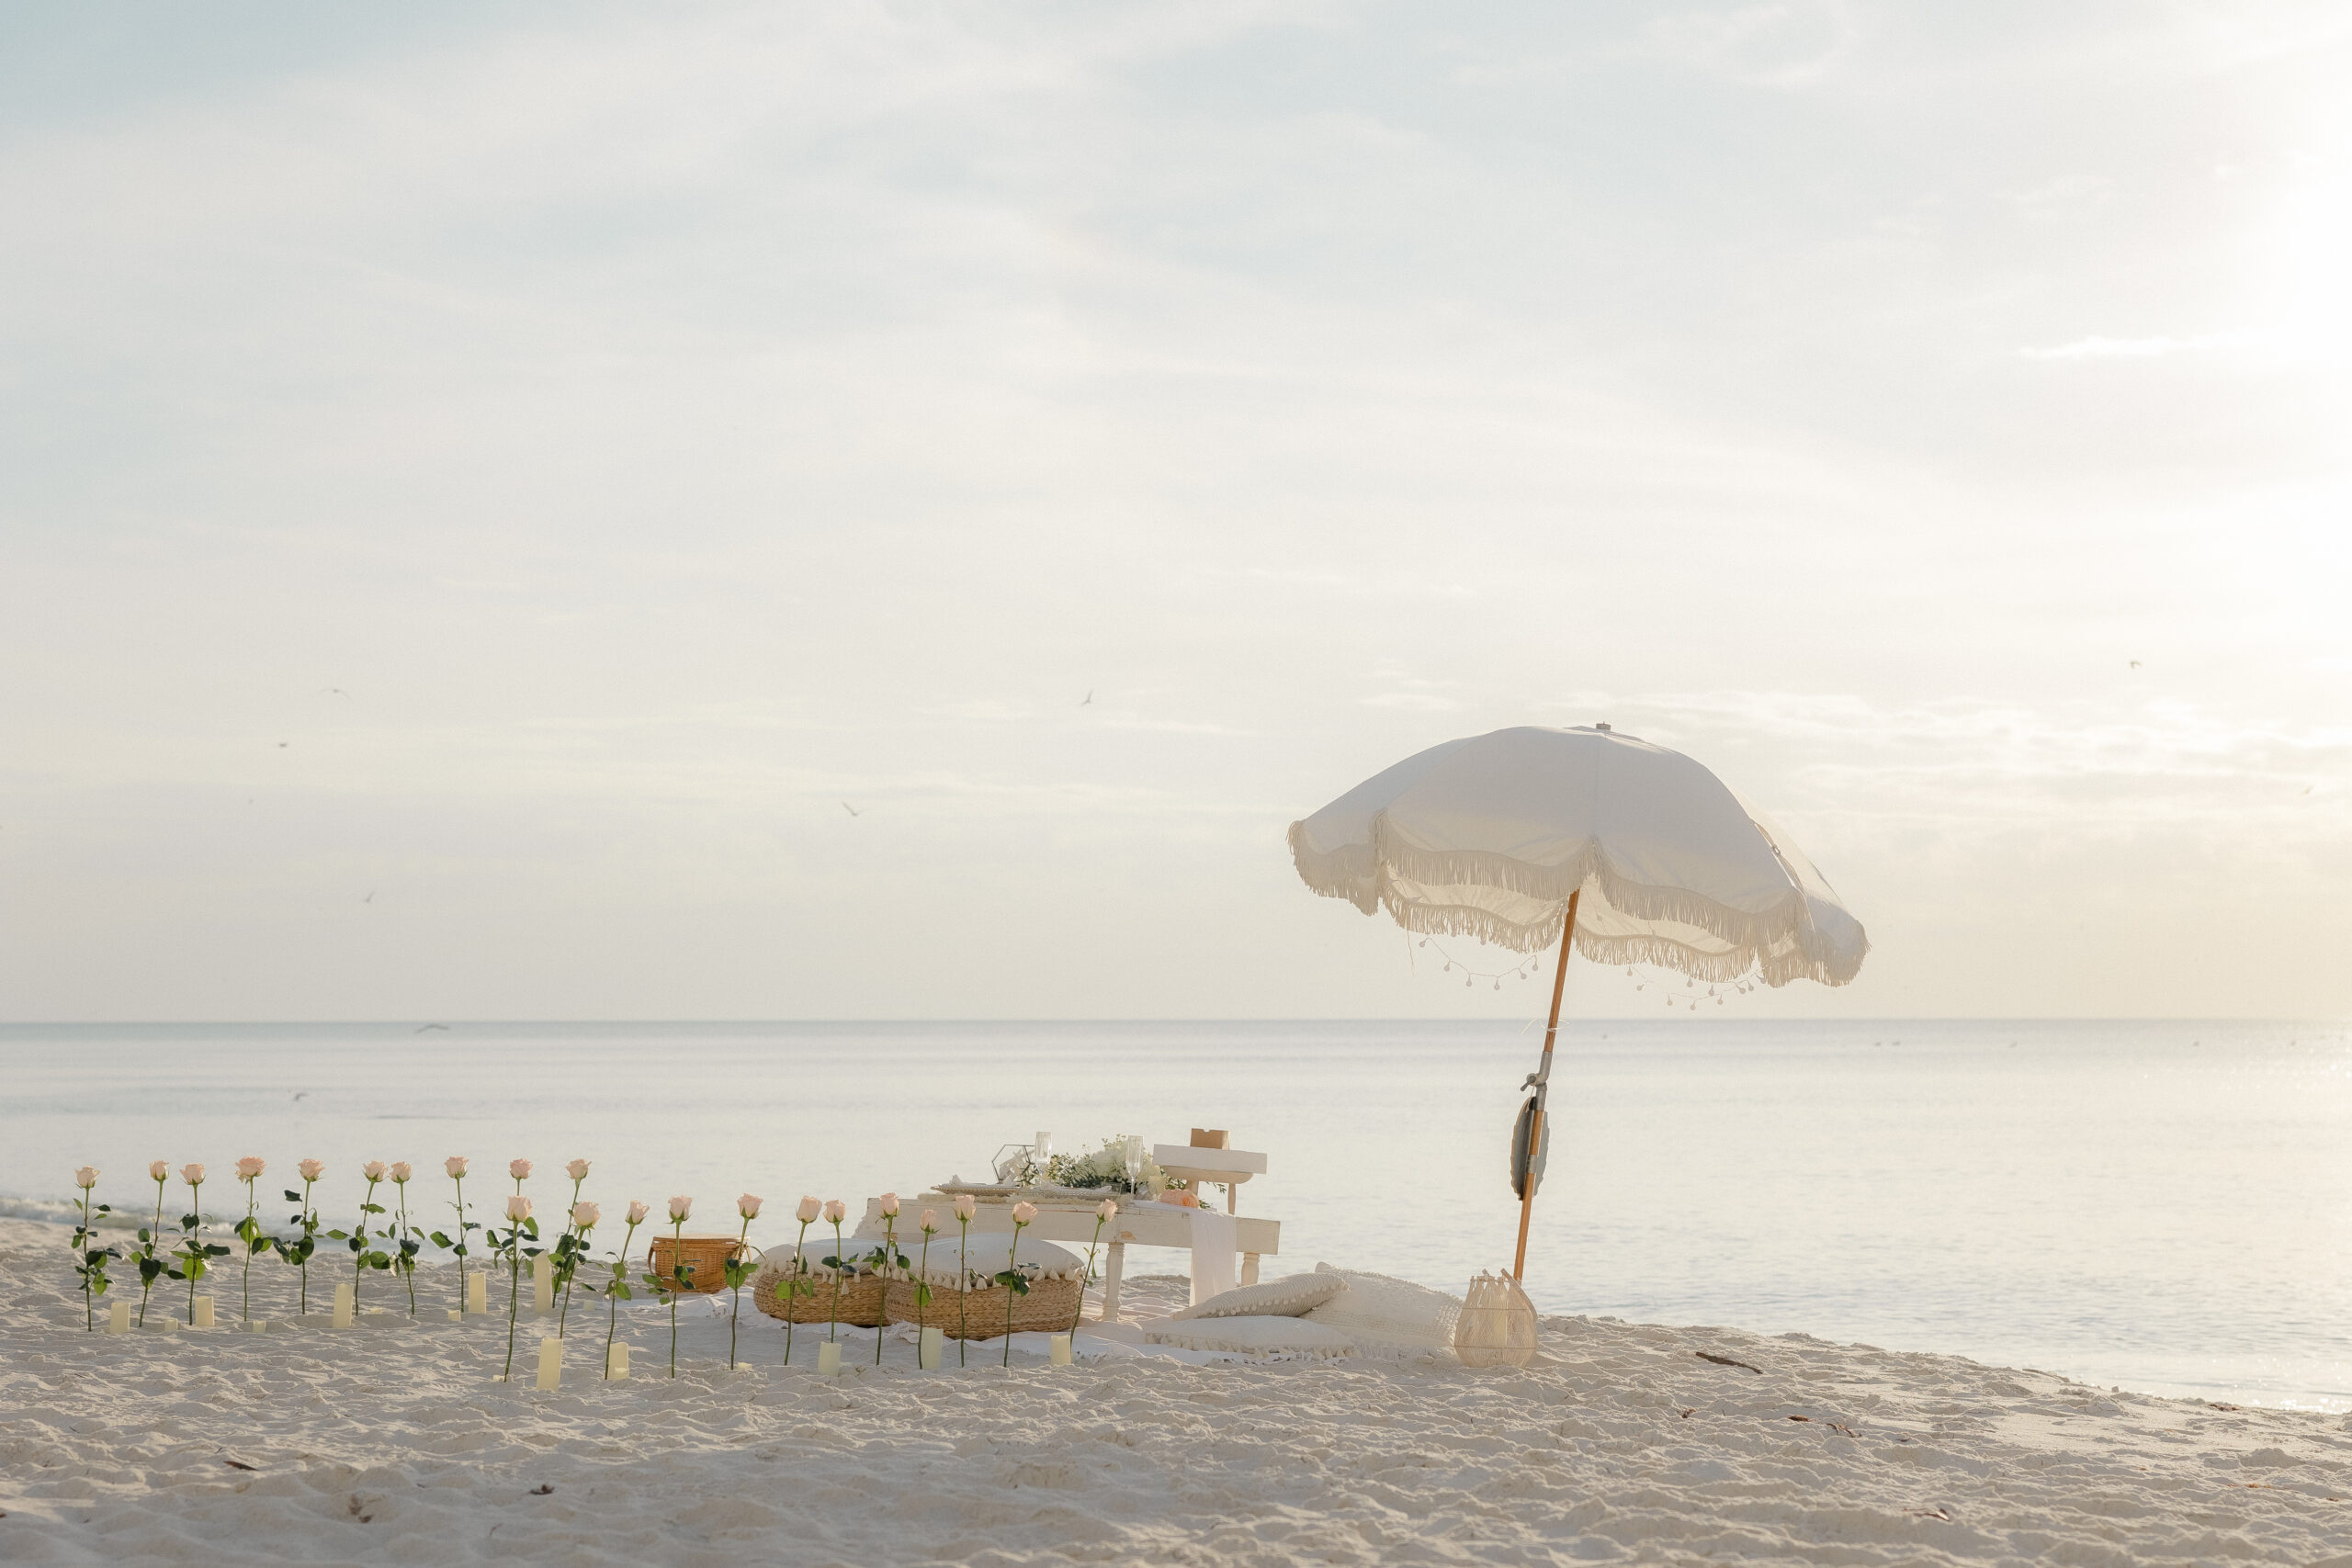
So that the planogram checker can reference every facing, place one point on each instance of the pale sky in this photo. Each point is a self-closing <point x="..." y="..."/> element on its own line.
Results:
<point x="481" y="486"/>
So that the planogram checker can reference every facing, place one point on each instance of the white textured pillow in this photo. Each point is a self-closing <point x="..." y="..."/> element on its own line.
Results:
<point x="1292" y="1336"/>
<point x="1292" y="1296"/>
<point x="1382" y="1314"/>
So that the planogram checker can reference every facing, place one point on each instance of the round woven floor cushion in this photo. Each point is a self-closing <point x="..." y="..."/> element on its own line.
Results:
<point x="856" y="1300"/>
<point x="1051" y="1308"/>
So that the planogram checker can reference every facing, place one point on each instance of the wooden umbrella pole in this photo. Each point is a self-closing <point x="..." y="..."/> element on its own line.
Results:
<point x="1542" y="1087"/>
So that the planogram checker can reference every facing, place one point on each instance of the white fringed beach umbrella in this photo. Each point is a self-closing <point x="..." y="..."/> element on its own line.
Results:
<point x="1627" y="852"/>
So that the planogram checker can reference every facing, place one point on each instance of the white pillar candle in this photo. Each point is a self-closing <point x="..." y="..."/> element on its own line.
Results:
<point x="932" y="1348"/>
<point x="550" y="1363"/>
<point x="455" y="1315"/>
<point x="1045" y="1147"/>
<point x="829" y="1359"/>
<point x="343" y="1306"/>
<point x="119" y="1318"/>
<point x="543" y="1283"/>
<point x="203" y="1312"/>
<point x="1061" y="1349"/>
<point x="477" y="1293"/>
<point x="616" y="1363"/>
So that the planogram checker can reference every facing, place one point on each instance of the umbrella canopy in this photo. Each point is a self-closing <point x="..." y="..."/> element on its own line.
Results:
<point x="1627" y="850"/>
<point x="1487" y="837"/>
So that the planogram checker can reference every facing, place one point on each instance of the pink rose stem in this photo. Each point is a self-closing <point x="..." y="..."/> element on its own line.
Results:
<point x="461" y="1243"/>
<point x="154" y="1235"/>
<point x="890" y="1254"/>
<point x="195" y="1245"/>
<point x="307" y="1228"/>
<point x="841" y="1267"/>
<point x="515" y="1282"/>
<point x="82" y="1250"/>
<point x="963" y="1289"/>
<point x="678" y="1277"/>
<point x="1010" y="1268"/>
<point x="359" y="1258"/>
<point x="612" y="1300"/>
<point x="735" y="1314"/>
<point x="923" y="1290"/>
<point x="564" y="1312"/>
<point x="408" y="1264"/>
<point x="792" y="1287"/>
<point x="252" y="1201"/>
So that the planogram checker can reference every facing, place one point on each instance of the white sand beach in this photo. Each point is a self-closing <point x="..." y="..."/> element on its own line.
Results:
<point x="389" y="1443"/>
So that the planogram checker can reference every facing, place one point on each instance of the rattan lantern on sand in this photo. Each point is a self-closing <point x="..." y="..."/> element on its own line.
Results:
<point x="1497" y="1324"/>
<point x="1609" y="846"/>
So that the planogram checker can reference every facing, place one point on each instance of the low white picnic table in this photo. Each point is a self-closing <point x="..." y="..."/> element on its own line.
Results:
<point x="1067" y="1217"/>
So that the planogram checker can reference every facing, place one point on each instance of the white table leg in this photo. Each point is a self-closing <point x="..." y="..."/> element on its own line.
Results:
<point x="1112" y="1266"/>
<point x="1249" y="1267"/>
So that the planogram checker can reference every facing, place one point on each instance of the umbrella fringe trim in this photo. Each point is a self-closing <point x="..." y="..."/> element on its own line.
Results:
<point x="1781" y="944"/>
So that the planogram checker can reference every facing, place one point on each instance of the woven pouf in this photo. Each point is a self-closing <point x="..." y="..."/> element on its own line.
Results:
<point x="825" y="1297"/>
<point x="1051" y="1308"/>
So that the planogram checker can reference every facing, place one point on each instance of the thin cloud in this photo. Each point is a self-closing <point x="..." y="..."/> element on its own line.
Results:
<point x="2137" y="347"/>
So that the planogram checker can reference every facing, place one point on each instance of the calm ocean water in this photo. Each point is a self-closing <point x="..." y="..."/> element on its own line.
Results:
<point x="2163" y="1206"/>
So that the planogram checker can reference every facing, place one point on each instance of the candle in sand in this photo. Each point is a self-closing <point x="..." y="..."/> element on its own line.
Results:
<point x="550" y="1363"/>
<point x="119" y="1318"/>
<point x="1061" y="1349"/>
<point x="933" y="1346"/>
<point x="616" y="1363"/>
<point x="829" y="1359"/>
<point x="343" y="1306"/>
<point x="203" y="1312"/>
<point x="543" y="1283"/>
<point x="478" y="1293"/>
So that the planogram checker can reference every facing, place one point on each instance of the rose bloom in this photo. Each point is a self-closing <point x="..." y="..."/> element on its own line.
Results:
<point x="748" y="1206"/>
<point x="250" y="1169"/>
<point x="889" y="1205"/>
<point x="680" y="1208"/>
<point x="577" y="1170"/>
<point x="585" y="1215"/>
<point x="159" y="1171"/>
<point x="456" y="1165"/>
<point x="811" y="1209"/>
<point x="967" y="1205"/>
<point x="374" y="1170"/>
<point x="193" y="1175"/>
<point x="401" y="1170"/>
<point x="87" y="1176"/>
<point x="1105" y="1209"/>
<point x="835" y="1211"/>
<point x="520" y="1169"/>
<point x="637" y="1212"/>
<point x="518" y="1208"/>
<point x="1024" y="1212"/>
<point x="929" y="1221"/>
<point x="312" y="1170"/>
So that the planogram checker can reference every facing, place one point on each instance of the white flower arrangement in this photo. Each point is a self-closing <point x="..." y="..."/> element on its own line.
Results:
<point x="1103" y="1167"/>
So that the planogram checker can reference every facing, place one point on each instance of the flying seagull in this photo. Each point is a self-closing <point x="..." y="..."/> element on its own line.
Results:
<point x="371" y="896"/>
<point x="2135" y="664"/>
<point x="1087" y="701"/>
<point x="423" y="1027"/>
<point x="336" y="692"/>
<point x="853" y="810"/>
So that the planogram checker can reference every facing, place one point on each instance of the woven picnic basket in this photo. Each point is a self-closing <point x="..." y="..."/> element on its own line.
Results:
<point x="1051" y="1308"/>
<point x="706" y="1256"/>
<point x="830" y="1298"/>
